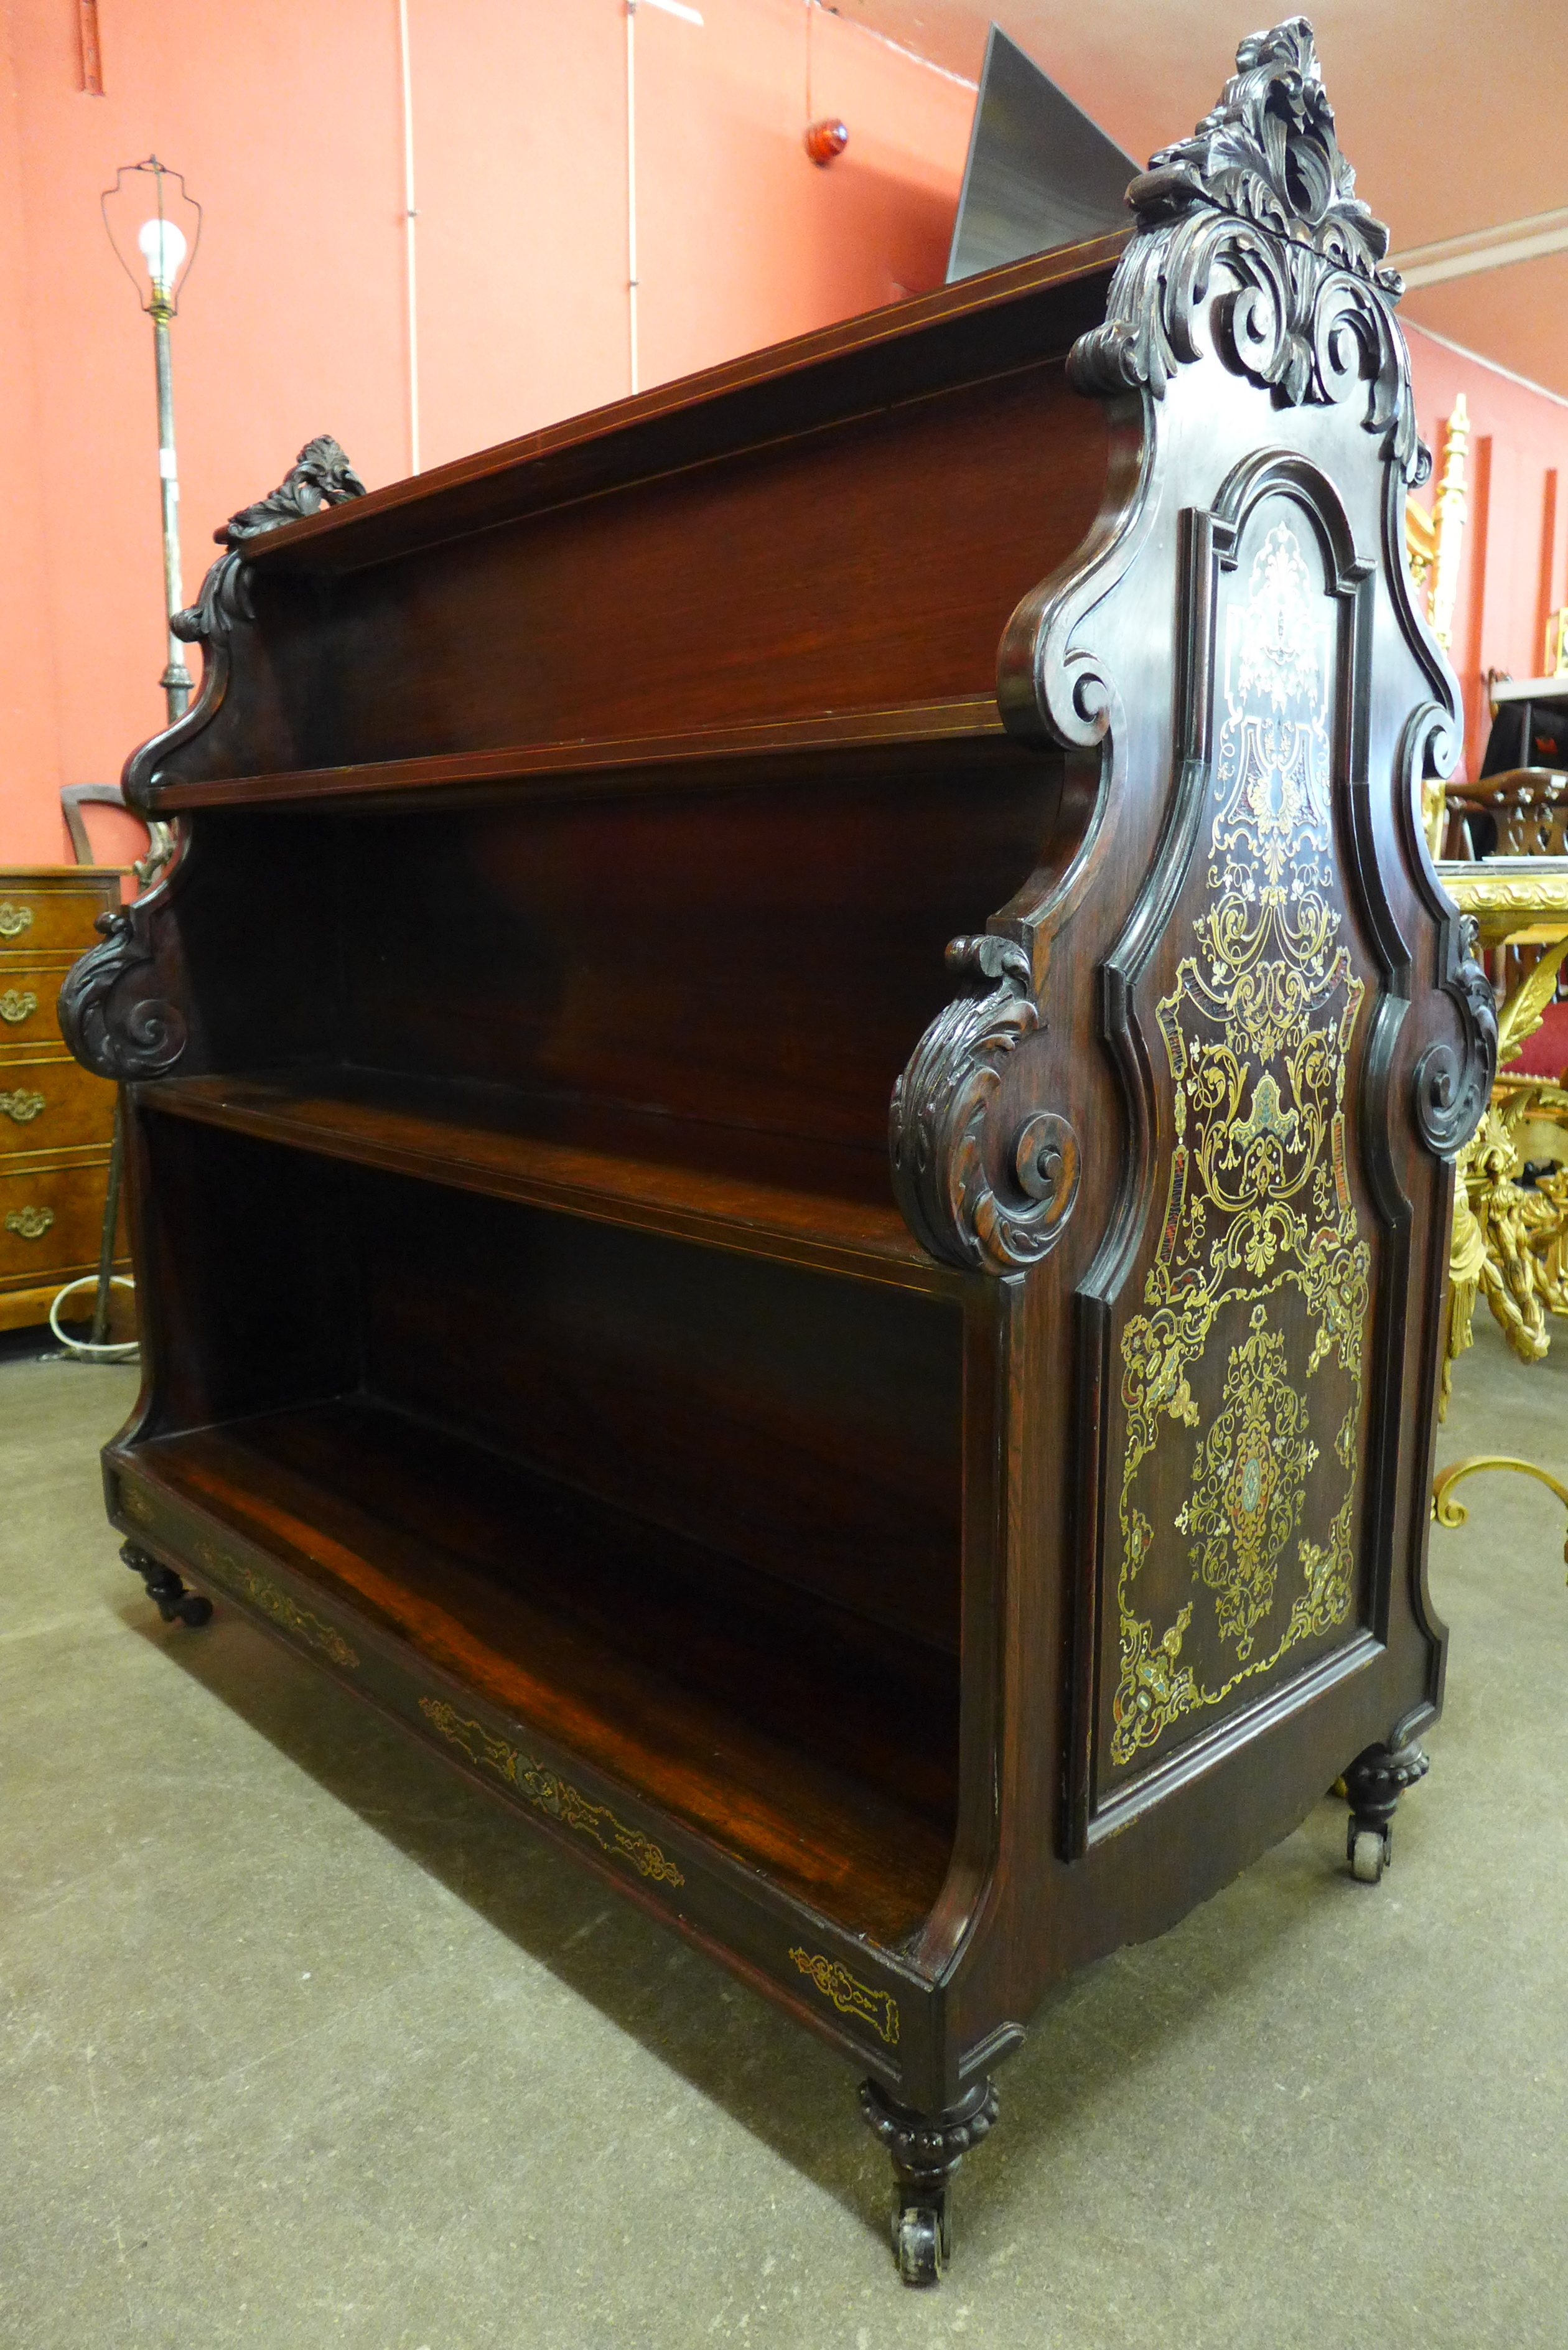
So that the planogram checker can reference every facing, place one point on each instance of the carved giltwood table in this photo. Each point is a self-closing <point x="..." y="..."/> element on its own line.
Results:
<point x="1509" y="1243"/>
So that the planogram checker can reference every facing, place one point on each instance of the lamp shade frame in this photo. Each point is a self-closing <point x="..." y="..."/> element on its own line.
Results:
<point x="155" y="295"/>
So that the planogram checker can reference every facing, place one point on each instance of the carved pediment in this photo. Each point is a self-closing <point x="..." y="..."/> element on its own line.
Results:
<point x="1269" y="152"/>
<point x="1252" y="227"/>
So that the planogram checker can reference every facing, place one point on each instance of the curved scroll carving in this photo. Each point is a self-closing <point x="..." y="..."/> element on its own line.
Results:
<point x="1261" y="196"/>
<point x="113" y="1016"/>
<point x="937" y="1126"/>
<point x="319" y="476"/>
<point x="1452" y="1086"/>
<point x="116" y="1018"/>
<point x="1452" y="1089"/>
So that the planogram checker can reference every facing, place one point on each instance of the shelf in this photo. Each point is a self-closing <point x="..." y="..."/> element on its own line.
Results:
<point x="688" y="1180"/>
<point x="703" y="759"/>
<point x="1006" y="318"/>
<point x="801" y="1739"/>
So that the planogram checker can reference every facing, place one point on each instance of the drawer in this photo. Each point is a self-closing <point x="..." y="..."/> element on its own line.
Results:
<point x="27" y="998"/>
<point x="50" y="1103"/>
<point x="44" y="913"/>
<point x="51" y="1220"/>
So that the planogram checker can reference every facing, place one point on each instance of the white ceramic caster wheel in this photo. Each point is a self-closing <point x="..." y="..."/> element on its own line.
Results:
<point x="919" y="2246"/>
<point x="1366" y="1857"/>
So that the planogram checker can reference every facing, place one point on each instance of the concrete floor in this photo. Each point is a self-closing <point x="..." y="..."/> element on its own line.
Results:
<point x="305" y="2044"/>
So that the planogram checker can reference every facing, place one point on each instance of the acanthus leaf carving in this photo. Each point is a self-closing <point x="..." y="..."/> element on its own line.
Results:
<point x="115" y="1023"/>
<point x="1452" y="1087"/>
<point x="123" y="1032"/>
<point x="320" y="477"/>
<point x="1260" y="205"/>
<point x="938" y="1118"/>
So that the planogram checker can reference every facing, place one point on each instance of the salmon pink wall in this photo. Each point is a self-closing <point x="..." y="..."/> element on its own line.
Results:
<point x="1514" y="570"/>
<point x="284" y="122"/>
<point x="287" y="123"/>
<point x="27" y="685"/>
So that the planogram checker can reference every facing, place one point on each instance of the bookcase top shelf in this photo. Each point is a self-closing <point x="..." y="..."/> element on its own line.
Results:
<point x="984" y="326"/>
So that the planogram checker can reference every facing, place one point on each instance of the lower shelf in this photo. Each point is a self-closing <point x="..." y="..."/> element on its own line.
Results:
<point x="711" y="1183"/>
<point x="815" y="1746"/>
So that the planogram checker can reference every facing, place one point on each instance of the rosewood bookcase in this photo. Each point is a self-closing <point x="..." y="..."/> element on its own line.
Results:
<point x="917" y="1475"/>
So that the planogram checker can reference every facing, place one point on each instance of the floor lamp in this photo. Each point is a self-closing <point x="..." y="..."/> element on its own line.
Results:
<point x="149" y="212"/>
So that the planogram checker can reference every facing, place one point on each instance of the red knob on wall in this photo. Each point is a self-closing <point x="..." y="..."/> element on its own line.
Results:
<point x="826" y="138"/>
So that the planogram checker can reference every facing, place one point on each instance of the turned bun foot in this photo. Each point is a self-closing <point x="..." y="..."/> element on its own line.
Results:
<point x="165" y="1588"/>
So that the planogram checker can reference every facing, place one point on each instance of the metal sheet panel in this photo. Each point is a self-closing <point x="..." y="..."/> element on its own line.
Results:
<point x="1039" y="174"/>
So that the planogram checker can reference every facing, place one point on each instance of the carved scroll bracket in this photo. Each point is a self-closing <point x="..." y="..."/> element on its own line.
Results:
<point x="320" y="477"/>
<point x="1452" y="1082"/>
<point x="118" y="1008"/>
<point x="1453" y="1088"/>
<point x="937" y="1127"/>
<point x="116" y="1019"/>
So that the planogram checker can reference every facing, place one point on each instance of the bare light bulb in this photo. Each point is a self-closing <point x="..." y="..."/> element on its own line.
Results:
<point x="162" y="249"/>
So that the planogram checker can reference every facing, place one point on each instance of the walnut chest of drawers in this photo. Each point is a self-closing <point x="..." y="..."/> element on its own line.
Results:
<point x="57" y="1120"/>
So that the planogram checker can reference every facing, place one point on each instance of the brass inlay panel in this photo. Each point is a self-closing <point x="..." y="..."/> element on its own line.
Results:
<point x="13" y="920"/>
<point x="1248" y="1485"/>
<point x="277" y="1604"/>
<point x="21" y="1105"/>
<point x="31" y="1223"/>
<point x="1257" y="1033"/>
<point x="17" y="1003"/>
<point x="135" y="1503"/>
<point x="834" y="1981"/>
<point x="548" y="1793"/>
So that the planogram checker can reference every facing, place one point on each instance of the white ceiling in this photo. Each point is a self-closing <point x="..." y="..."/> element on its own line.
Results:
<point x="1453" y="112"/>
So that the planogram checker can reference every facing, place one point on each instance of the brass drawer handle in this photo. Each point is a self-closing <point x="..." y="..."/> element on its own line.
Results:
<point x="17" y="1003"/>
<point x="22" y="1106"/>
<point x="31" y="1223"/>
<point x="13" y="920"/>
